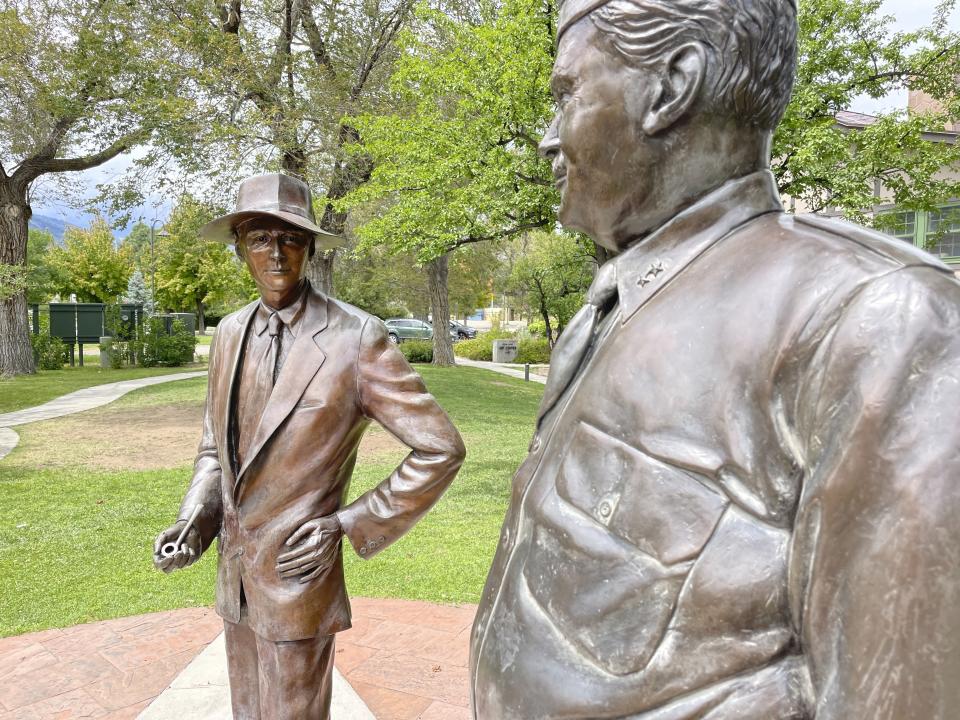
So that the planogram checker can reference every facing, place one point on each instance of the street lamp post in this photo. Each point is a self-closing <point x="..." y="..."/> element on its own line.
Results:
<point x="153" y="261"/>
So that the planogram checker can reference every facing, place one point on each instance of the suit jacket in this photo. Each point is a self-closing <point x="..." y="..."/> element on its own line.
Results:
<point x="341" y="372"/>
<point x="746" y="504"/>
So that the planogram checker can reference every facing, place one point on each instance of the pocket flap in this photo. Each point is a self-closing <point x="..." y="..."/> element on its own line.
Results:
<point x="662" y="510"/>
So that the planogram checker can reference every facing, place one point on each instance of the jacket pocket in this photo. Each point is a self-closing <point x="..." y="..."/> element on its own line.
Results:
<point x="612" y="546"/>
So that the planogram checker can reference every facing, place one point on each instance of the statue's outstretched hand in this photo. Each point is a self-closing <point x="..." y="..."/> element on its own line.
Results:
<point x="187" y="553"/>
<point x="313" y="549"/>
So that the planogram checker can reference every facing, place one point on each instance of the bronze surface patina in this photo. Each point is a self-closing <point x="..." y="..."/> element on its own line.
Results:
<point x="742" y="498"/>
<point x="295" y="379"/>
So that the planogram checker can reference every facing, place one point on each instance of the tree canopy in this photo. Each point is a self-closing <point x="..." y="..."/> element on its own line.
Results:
<point x="91" y="265"/>
<point x="192" y="273"/>
<point x="847" y="49"/>
<point x="81" y="81"/>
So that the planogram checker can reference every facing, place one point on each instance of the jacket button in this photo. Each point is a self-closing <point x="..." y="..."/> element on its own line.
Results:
<point x="240" y="551"/>
<point x="363" y="551"/>
<point x="380" y="539"/>
<point x="535" y="444"/>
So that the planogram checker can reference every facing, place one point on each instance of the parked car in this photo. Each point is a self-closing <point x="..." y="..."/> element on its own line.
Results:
<point x="459" y="331"/>
<point x="400" y="329"/>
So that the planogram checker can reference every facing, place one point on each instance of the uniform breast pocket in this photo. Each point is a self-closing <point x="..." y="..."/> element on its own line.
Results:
<point x="613" y="542"/>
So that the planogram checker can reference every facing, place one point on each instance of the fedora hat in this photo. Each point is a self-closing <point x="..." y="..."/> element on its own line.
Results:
<point x="275" y="195"/>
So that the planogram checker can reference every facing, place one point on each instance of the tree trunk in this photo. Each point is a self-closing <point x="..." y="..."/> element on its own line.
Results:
<point x="320" y="271"/>
<point x="16" y="352"/>
<point x="201" y="320"/>
<point x="547" y="329"/>
<point x="348" y="174"/>
<point x="440" y="309"/>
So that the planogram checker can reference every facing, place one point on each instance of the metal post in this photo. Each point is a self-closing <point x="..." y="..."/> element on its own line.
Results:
<point x="526" y="372"/>
<point x="153" y="262"/>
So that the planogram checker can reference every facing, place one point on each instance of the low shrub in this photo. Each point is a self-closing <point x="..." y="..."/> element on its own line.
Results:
<point x="535" y="351"/>
<point x="49" y="353"/>
<point x="158" y="348"/>
<point x="537" y="328"/>
<point x="417" y="351"/>
<point x="481" y="347"/>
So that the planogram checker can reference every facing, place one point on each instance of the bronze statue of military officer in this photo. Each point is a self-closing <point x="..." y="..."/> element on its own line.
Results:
<point x="742" y="500"/>
<point x="295" y="379"/>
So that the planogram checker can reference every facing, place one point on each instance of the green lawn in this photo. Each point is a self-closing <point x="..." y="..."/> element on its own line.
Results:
<point x="75" y="544"/>
<point x="204" y="339"/>
<point x="28" y="390"/>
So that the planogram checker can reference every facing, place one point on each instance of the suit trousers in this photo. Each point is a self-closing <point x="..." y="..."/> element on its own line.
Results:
<point x="286" y="680"/>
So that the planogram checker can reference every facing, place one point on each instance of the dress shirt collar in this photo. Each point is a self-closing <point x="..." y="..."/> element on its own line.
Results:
<point x="648" y="266"/>
<point x="290" y="315"/>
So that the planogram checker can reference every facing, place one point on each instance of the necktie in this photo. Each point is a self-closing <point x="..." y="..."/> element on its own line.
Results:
<point x="572" y="347"/>
<point x="275" y="329"/>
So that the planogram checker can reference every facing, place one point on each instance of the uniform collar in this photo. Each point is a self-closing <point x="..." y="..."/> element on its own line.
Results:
<point x="649" y="265"/>
<point x="290" y="315"/>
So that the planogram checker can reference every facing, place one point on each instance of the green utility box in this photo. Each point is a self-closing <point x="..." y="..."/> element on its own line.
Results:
<point x="188" y="319"/>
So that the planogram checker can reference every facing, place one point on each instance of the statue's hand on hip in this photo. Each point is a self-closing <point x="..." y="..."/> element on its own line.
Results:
<point x="186" y="553"/>
<point x="313" y="549"/>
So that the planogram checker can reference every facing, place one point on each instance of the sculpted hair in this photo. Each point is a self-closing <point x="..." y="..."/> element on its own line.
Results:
<point x="750" y="46"/>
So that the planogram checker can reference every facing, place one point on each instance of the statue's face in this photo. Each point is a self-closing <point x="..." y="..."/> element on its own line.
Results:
<point x="602" y="160"/>
<point x="276" y="253"/>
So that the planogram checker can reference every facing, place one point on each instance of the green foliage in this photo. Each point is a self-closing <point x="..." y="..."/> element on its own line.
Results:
<point x="90" y="264"/>
<point x="156" y="347"/>
<point x="193" y="273"/>
<point x="481" y="347"/>
<point x="138" y="240"/>
<point x="535" y="351"/>
<point x="537" y="328"/>
<point x="417" y="351"/>
<point x="457" y="161"/>
<point x="43" y="279"/>
<point x="848" y="48"/>
<point x="551" y="272"/>
<point x="138" y="293"/>
<point x="49" y="353"/>
<point x="84" y="80"/>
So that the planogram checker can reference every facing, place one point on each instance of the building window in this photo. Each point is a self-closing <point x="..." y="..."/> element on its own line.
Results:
<point x="903" y="225"/>
<point x="943" y="231"/>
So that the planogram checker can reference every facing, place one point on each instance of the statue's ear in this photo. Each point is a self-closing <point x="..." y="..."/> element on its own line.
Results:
<point x="680" y="80"/>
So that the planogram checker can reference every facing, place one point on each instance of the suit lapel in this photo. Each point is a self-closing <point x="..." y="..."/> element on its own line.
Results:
<point x="299" y="368"/>
<point x="227" y="380"/>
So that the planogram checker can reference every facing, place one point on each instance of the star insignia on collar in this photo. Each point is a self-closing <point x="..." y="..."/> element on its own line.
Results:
<point x="651" y="274"/>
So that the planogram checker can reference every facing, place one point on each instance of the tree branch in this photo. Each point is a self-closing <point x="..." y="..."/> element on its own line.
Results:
<point x="387" y="33"/>
<point x="315" y="41"/>
<point x="35" y="167"/>
<point x="230" y="18"/>
<point x="533" y="225"/>
<point x="534" y="180"/>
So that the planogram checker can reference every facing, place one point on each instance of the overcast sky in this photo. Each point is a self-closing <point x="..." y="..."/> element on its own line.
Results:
<point x="908" y="15"/>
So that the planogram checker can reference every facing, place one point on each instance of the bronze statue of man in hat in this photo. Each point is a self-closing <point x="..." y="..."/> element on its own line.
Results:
<point x="742" y="498"/>
<point x="295" y="379"/>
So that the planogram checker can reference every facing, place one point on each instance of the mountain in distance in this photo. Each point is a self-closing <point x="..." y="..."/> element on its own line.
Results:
<point x="56" y="226"/>
<point x="52" y="225"/>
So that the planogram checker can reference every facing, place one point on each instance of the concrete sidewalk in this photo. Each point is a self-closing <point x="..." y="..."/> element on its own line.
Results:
<point x="516" y="371"/>
<point x="87" y="399"/>
<point x="202" y="691"/>
<point x="75" y="402"/>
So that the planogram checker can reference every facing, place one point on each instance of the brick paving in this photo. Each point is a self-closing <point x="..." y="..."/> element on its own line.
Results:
<point x="407" y="660"/>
